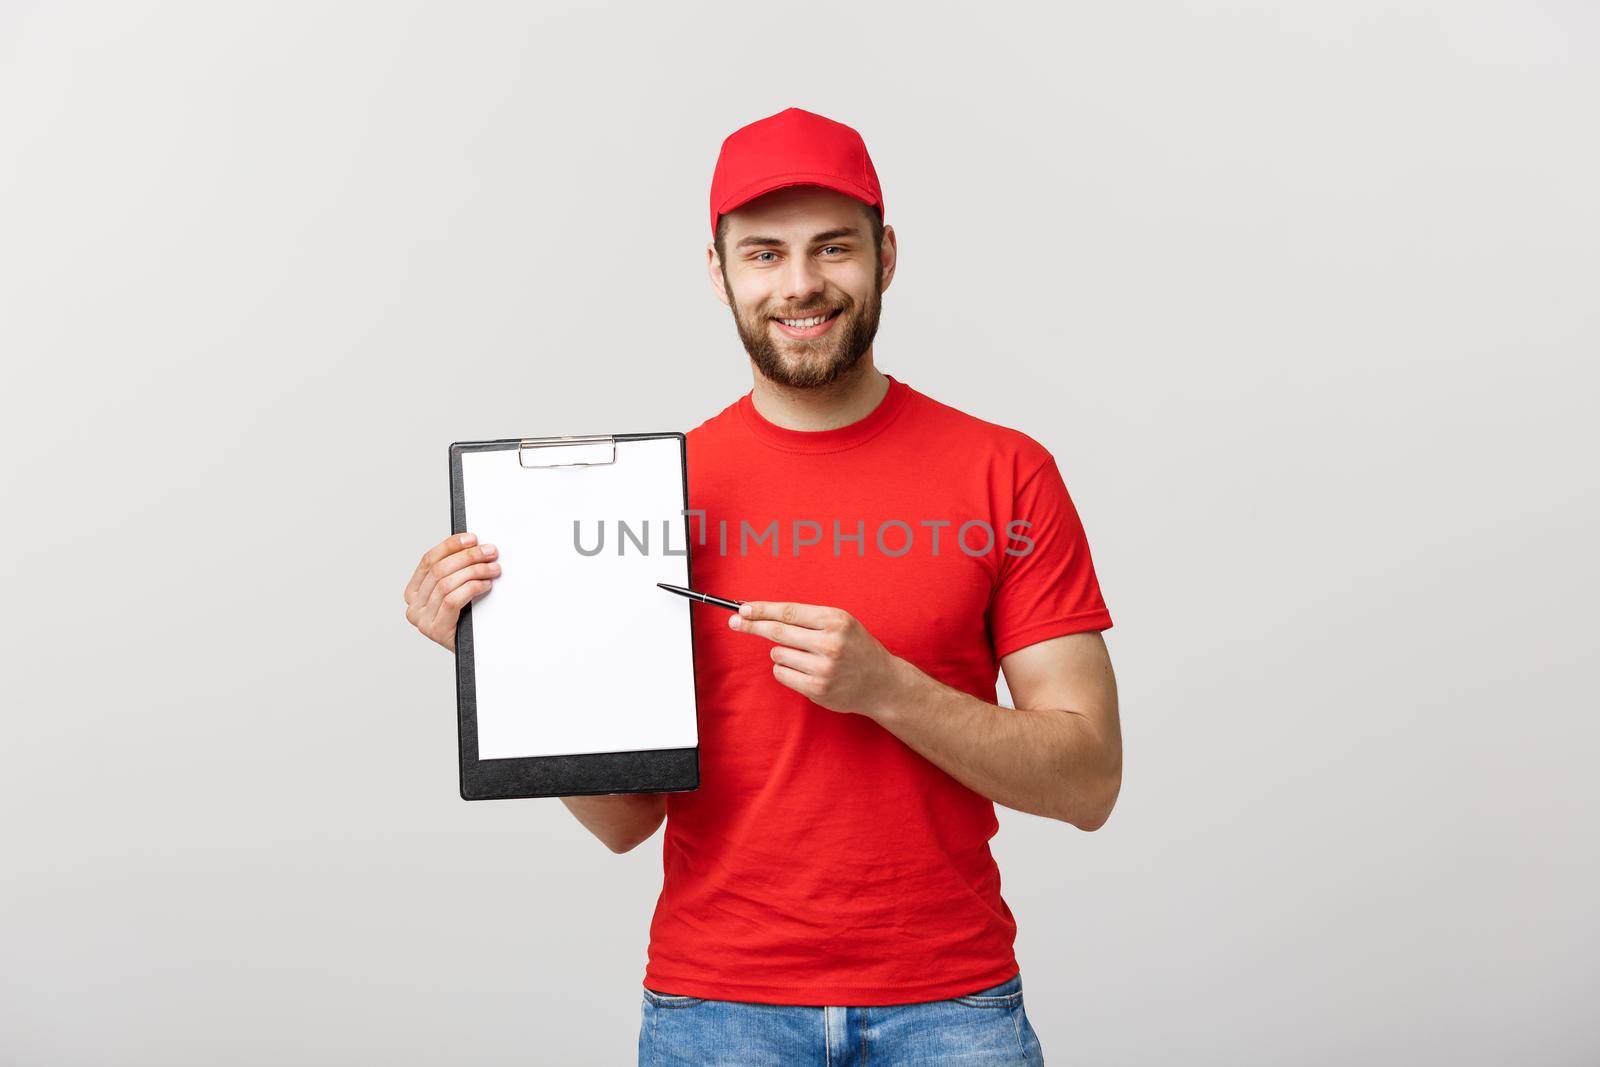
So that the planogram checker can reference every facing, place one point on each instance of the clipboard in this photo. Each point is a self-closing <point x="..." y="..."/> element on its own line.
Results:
<point x="574" y="673"/>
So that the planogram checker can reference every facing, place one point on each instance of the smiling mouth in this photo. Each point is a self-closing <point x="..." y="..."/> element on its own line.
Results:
<point x="809" y="325"/>
<point x="805" y="320"/>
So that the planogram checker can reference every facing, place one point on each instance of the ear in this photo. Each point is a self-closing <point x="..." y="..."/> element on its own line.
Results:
<point x="714" y="272"/>
<point x="890" y="255"/>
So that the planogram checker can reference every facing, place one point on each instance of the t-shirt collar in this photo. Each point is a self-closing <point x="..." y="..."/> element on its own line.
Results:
<point x="835" y="440"/>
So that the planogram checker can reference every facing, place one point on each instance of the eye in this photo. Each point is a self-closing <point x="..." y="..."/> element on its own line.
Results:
<point x="758" y="256"/>
<point x="834" y="247"/>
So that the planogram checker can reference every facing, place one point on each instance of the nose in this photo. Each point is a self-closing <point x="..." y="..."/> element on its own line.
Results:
<point x="802" y="281"/>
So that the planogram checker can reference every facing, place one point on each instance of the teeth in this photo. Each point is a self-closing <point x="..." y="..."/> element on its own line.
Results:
<point x="800" y="324"/>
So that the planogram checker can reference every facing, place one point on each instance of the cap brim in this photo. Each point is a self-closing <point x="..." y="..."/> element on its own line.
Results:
<point x="734" y="201"/>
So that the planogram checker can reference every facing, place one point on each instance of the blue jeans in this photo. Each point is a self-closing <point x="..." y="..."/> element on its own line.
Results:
<point x="987" y="1028"/>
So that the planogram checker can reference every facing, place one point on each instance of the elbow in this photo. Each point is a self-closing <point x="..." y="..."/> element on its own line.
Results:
<point x="1096" y="809"/>
<point x="619" y="845"/>
<point x="1092" y="821"/>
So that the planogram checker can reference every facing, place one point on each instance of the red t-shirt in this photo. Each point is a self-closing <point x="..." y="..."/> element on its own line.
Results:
<point x="822" y="861"/>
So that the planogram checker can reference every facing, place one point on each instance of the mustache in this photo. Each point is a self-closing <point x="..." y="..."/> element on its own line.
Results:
<point x="806" y="314"/>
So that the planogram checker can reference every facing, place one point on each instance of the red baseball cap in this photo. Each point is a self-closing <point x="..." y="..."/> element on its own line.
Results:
<point x="793" y="147"/>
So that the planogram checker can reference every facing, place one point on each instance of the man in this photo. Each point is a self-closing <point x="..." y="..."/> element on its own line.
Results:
<point x="829" y="893"/>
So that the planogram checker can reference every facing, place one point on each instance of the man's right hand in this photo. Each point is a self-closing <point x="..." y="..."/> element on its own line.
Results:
<point x="452" y="574"/>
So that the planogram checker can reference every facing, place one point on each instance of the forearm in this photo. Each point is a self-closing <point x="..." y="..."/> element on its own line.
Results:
<point x="620" y="820"/>
<point x="1046" y="761"/>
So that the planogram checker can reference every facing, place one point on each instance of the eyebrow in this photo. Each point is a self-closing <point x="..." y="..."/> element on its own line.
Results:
<point x="825" y="235"/>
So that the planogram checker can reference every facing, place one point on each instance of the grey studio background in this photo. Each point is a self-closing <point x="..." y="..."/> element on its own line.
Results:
<point x="1301" y="296"/>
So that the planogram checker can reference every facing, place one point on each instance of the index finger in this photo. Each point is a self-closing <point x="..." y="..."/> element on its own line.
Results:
<point x="453" y="543"/>
<point x="813" y="616"/>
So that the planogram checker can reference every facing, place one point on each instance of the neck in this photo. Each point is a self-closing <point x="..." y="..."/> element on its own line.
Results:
<point x="826" y="407"/>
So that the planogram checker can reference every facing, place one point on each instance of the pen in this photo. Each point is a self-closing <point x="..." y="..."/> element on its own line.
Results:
<point x="704" y="598"/>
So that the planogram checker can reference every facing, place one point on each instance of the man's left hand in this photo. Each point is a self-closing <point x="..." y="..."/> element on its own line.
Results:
<point x="825" y="654"/>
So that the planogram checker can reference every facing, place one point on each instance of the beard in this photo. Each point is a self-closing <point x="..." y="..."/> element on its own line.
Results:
<point x="818" y="361"/>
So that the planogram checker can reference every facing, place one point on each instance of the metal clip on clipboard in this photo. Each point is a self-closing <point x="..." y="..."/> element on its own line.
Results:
<point x="589" y="445"/>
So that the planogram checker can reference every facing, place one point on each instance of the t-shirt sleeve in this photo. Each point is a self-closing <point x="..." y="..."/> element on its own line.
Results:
<point x="1046" y="586"/>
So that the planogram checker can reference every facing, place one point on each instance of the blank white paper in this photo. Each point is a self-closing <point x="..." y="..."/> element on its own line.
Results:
<point x="574" y="653"/>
